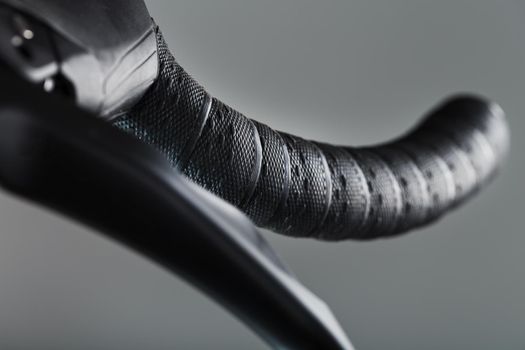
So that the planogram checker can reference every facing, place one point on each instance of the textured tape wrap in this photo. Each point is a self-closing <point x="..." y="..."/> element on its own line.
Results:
<point x="303" y="188"/>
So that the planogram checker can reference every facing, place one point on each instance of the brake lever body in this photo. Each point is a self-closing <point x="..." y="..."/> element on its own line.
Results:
<point x="102" y="54"/>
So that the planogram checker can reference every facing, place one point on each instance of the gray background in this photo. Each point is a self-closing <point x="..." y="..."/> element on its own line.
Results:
<point x="350" y="72"/>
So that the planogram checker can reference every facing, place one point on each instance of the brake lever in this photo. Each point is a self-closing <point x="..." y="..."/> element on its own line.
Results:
<point x="60" y="156"/>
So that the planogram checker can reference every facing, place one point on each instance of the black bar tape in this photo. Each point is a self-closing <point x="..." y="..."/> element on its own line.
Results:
<point x="271" y="191"/>
<point x="191" y="142"/>
<point x="309" y="194"/>
<point x="384" y="190"/>
<point x="350" y="205"/>
<point x="308" y="189"/>
<point x="413" y="186"/>
<point x="439" y="181"/>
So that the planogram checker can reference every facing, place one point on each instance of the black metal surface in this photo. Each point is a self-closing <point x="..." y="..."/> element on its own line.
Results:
<point x="55" y="154"/>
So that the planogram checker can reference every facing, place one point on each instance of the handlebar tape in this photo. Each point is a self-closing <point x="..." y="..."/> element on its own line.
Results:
<point x="311" y="189"/>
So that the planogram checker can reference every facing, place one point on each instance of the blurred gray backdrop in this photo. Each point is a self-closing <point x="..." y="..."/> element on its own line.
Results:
<point x="352" y="72"/>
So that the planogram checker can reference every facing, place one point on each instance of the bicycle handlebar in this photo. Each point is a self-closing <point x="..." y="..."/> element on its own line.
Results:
<point x="57" y="152"/>
<point x="310" y="189"/>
